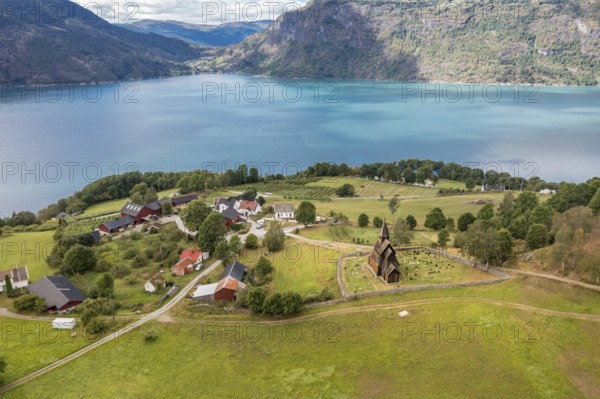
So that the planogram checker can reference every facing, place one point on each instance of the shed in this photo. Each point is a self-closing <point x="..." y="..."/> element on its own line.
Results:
<point x="64" y="324"/>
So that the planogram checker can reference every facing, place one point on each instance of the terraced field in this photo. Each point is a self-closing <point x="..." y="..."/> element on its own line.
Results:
<point x="373" y="188"/>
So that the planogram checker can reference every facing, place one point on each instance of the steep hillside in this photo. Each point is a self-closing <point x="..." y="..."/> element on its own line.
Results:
<point x="204" y="35"/>
<point x="550" y="41"/>
<point x="61" y="42"/>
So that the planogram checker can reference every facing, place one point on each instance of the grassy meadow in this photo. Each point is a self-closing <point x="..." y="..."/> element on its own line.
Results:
<point x="27" y="249"/>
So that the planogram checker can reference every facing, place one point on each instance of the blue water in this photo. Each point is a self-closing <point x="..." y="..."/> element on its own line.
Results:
<point x="52" y="147"/>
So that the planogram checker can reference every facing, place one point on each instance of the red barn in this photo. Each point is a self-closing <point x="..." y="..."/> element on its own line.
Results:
<point x="137" y="212"/>
<point x="183" y="267"/>
<point x="227" y="289"/>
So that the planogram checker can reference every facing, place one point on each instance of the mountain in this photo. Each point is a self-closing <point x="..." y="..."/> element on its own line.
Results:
<point x="61" y="42"/>
<point x="205" y="35"/>
<point x="544" y="42"/>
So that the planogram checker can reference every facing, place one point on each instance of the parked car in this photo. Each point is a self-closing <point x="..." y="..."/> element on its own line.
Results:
<point x="260" y="224"/>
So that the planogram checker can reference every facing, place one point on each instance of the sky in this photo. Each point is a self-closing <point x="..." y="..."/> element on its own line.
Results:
<point x="192" y="11"/>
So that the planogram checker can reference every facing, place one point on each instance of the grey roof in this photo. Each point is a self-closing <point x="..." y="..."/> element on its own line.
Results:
<point x="283" y="208"/>
<point x="184" y="199"/>
<point x="17" y="274"/>
<point x="229" y="202"/>
<point x="95" y="235"/>
<point x="132" y="209"/>
<point x="230" y="213"/>
<point x="56" y="290"/>
<point x="235" y="270"/>
<point x="117" y="224"/>
<point x="154" y="205"/>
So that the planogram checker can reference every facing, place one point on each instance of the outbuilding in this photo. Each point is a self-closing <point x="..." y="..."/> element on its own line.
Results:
<point x="64" y="324"/>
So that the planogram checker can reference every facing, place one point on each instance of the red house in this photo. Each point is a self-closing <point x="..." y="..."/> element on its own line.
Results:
<point x="183" y="267"/>
<point x="194" y="254"/>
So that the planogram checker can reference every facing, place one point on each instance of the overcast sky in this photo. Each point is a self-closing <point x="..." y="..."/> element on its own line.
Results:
<point x="193" y="11"/>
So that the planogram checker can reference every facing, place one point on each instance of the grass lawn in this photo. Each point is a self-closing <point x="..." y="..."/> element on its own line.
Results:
<point x="374" y="188"/>
<point x="418" y="268"/>
<point x="300" y="267"/>
<point x="29" y="345"/>
<point x="27" y="249"/>
<point x="371" y="354"/>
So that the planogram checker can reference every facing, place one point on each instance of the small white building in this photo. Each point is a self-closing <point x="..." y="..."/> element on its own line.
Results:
<point x="64" y="324"/>
<point x="157" y="281"/>
<point x="284" y="211"/>
<point x="547" y="191"/>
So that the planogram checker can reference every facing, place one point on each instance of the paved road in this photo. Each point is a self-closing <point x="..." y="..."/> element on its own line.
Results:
<point x="120" y="333"/>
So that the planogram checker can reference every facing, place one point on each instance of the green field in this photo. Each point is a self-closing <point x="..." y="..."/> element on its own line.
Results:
<point x="29" y="345"/>
<point x="374" y="188"/>
<point x="300" y="267"/>
<point x="27" y="249"/>
<point x="367" y="354"/>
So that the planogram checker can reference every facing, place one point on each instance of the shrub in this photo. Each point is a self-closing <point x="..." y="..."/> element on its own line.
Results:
<point x="150" y="336"/>
<point x="121" y="271"/>
<point x="96" y="326"/>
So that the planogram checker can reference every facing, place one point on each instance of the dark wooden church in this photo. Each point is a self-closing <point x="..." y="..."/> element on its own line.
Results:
<point x="383" y="258"/>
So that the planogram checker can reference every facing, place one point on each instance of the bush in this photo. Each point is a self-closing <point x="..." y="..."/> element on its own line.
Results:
<point x="251" y="241"/>
<point x="96" y="326"/>
<point x="150" y="336"/>
<point x="30" y="302"/>
<point x="121" y="271"/>
<point x="377" y="222"/>
<point x="140" y="261"/>
<point x="363" y="220"/>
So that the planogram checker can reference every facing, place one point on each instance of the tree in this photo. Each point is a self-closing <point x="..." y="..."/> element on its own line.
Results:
<point x="211" y="232"/>
<point x="363" y="220"/>
<point x="541" y="214"/>
<point x="306" y="213"/>
<point x="255" y="299"/>
<point x="273" y="305"/>
<point x="526" y="201"/>
<point x="195" y="214"/>
<point x="137" y="198"/>
<point x="8" y="286"/>
<point x="537" y="236"/>
<point x="30" y="302"/>
<point x="393" y="205"/>
<point x="480" y="241"/>
<point x="292" y="303"/>
<point x="470" y="184"/>
<point x="409" y="176"/>
<point x="595" y="203"/>
<point x="402" y="233"/>
<point x="251" y="192"/>
<point x="167" y="208"/>
<point x="377" y="222"/>
<point x="347" y="190"/>
<point x="435" y="219"/>
<point x="465" y="220"/>
<point x="443" y="238"/>
<point x="506" y="208"/>
<point x="105" y="285"/>
<point x="450" y="224"/>
<point x="411" y="221"/>
<point x="251" y="241"/>
<point x="235" y="244"/>
<point x="486" y="212"/>
<point x="150" y="195"/>
<point x="260" y="200"/>
<point x="275" y="237"/>
<point x="506" y="242"/>
<point x="78" y="259"/>
<point x="262" y="271"/>
<point x="519" y="226"/>
<point x="223" y="252"/>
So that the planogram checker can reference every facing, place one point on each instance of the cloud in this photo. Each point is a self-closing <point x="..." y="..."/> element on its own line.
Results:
<point x="192" y="11"/>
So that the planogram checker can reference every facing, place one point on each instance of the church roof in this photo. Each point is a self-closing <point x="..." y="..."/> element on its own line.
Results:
<point x="384" y="233"/>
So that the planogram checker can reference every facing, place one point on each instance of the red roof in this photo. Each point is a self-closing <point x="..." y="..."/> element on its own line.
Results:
<point x="228" y="283"/>
<point x="249" y="205"/>
<point x="193" y="254"/>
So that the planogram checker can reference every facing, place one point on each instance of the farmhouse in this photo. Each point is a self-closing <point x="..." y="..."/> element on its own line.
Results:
<point x="156" y="282"/>
<point x="383" y="258"/>
<point x="243" y="204"/>
<point x="116" y="225"/>
<point x="58" y="292"/>
<point x="284" y="211"/>
<point x="19" y="278"/>
<point x="194" y="254"/>
<point x="139" y="212"/>
<point x="184" y="199"/>
<point x="247" y="208"/>
<point x="183" y="267"/>
<point x="226" y="289"/>
<point x="231" y="216"/>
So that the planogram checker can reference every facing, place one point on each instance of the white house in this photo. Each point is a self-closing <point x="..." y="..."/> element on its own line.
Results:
<point x="284" y="211"/>
<point x="547" y="191"/>
<point x="157" y="281"/>
<point x="19" y="278"/>
<point x="64" y="324"/>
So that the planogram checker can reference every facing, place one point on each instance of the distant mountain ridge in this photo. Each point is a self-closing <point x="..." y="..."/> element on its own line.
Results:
<point x="49" y="47"/>
<point x="205" y="35"/>
<point x="479" y="41"/>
